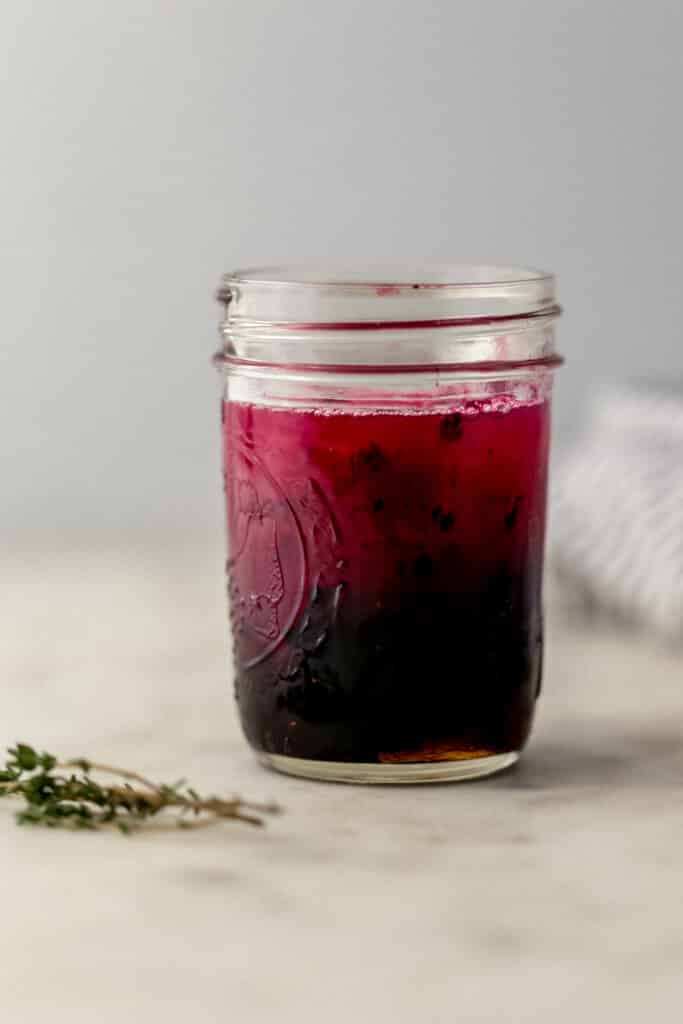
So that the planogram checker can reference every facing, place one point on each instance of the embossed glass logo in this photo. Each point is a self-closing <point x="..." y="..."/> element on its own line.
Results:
<point x="284" y="545"/>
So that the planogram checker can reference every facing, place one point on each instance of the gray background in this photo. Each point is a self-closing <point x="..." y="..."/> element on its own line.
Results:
<point x="146" y="146"/>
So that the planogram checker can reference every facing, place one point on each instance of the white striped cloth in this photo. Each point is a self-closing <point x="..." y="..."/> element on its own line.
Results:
<point x="616" y="537"/>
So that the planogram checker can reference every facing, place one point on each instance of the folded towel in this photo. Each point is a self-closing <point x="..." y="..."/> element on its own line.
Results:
<point x="616" y="538"/>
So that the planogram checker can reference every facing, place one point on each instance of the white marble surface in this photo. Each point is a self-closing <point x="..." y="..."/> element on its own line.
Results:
<point x="550" y="893"/>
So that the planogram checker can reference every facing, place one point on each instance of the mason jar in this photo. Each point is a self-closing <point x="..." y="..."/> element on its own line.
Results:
<point x="385" y="457"/>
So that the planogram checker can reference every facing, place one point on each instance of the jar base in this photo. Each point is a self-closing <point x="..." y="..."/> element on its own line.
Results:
<point x="389" y="774"/>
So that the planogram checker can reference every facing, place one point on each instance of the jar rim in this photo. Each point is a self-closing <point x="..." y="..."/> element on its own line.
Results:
<point x="454" y="275"/>
<point x="399" y="315"/>
<point x="385" y="295"/>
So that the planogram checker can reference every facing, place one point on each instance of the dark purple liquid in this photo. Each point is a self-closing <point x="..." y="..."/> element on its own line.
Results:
<point x="385" y="578"/>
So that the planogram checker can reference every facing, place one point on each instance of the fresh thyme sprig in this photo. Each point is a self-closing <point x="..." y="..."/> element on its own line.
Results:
<point x="65" y="794"/>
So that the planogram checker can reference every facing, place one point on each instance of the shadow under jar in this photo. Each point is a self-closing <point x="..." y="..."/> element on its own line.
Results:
<point x="385" y="456"/>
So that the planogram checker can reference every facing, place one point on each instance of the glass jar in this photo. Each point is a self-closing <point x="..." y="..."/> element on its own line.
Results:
<point x="385" y="456"/>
